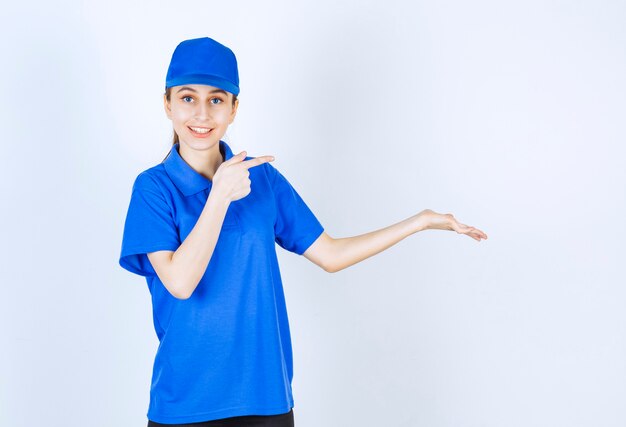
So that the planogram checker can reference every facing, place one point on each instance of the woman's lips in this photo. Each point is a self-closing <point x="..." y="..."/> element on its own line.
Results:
<point x="199" y="135"/>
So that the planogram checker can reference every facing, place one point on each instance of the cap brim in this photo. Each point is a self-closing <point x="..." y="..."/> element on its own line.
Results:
<point x="203" y="79"/>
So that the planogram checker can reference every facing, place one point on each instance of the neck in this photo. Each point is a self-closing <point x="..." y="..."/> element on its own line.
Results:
<point x="205" y="161"/>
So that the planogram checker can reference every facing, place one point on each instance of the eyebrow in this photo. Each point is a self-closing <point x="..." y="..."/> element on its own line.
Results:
<point x="193" y="90"/>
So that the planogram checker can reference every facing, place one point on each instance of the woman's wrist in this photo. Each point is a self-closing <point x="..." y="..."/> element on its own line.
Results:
<point x="218" y="198"/>
<point x="421" y="221"/>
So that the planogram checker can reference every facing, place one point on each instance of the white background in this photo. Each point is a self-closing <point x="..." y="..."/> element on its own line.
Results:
<point x="509" y="115"/>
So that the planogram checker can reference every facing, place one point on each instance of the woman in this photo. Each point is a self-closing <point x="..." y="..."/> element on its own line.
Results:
<point x="202" y="227"/>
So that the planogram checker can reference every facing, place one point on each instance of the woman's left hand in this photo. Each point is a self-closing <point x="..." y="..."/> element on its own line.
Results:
<point x="433" y="220"/>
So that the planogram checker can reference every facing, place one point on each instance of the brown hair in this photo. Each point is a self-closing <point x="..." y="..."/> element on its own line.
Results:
<point x="168" y="93"/>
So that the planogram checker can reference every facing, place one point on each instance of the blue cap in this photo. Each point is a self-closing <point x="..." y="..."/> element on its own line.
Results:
<point x="203" y="61"/>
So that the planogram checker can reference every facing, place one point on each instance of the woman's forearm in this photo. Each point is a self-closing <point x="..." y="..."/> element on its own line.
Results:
<point x="190" y="261"/>
<point x="347" y="251"/>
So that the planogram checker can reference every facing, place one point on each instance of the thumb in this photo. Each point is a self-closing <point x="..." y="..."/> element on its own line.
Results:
<point x="237" y="158"/>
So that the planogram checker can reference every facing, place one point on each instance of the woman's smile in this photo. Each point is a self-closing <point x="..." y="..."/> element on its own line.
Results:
<point x="199" y="132"/>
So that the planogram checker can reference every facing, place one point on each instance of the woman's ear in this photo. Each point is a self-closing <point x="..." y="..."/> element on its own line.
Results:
<point x="166" y="105"/>
<point x="234" y="112"/>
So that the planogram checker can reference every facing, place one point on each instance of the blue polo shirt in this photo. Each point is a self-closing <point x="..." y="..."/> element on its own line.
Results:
<point x="226" y="350"/>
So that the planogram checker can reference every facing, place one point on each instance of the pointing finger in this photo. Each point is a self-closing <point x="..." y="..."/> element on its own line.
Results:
<point x="257" y="161"/>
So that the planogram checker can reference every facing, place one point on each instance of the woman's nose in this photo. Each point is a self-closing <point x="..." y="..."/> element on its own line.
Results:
<point x="203" y="111"/>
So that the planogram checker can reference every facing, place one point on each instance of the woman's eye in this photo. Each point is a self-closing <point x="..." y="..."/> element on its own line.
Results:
<point x="212" y="99"/>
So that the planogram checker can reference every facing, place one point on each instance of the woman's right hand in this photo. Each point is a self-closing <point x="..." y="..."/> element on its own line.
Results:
<point x="232" y="178"/>
<point x="431" y="220"/>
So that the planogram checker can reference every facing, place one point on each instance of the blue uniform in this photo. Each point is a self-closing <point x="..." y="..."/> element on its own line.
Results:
<point x="226" y="350"/>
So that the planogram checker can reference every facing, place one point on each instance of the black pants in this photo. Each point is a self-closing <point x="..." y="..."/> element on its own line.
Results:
<point x="280" y="420"/>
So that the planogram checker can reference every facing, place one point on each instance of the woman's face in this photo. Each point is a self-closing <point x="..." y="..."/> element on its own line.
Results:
<point x="196" y="108"/>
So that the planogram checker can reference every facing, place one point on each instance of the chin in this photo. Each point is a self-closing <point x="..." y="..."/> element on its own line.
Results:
<point x="200" y="144"/>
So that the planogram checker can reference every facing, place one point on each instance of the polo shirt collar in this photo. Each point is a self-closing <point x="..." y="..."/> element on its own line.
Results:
<point x="186" y="179"/>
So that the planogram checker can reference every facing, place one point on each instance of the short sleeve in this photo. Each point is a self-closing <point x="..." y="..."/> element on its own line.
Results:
<point x="149" y="227"/>
<point x="296" y="227"/>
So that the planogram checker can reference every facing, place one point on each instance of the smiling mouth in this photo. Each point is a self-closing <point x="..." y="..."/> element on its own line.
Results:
<point x="199" y="130"/>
